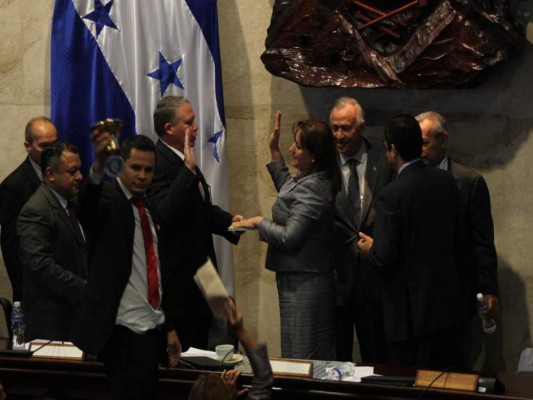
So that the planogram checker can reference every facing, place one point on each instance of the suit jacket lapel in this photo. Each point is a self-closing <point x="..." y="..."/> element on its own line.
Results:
<point x="342" y="204"/>
<point x="61" y="212"/>
<point x="176" y="160"/>
<point x="126" y="215"/>
<point x="452" y="165"/>
<point x="373" y="166"/>
<point x="204" y="184"/>
<point x="31" y="175"/>
<point x="165" y="151"/>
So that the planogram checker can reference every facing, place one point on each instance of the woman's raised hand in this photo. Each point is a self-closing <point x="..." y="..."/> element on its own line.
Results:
<point x="274" y="137"/>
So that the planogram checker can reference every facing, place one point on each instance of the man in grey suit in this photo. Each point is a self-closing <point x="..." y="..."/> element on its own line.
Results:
<point x="52" y="247"/>
<point x="365" y="172"/>
<point x="477" y="258"/>
<point x="15" y="191"/>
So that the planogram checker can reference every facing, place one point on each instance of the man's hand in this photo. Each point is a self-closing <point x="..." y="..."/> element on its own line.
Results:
<point x="235" y="222"/>
<point x="2" y="393"/>
<point x="190" y="161"/>
<point x="248" y="223"/>
<point x="230" y="378"/>
<point x="101" y="139"/>
<point x="364" y="243"/>
<point x="493" y="306"/>
<point x="173" y="349"/>
<point x="233" y="316"/>
<point x="237" y="218"/>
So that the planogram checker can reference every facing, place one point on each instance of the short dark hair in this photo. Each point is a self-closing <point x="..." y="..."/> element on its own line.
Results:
<point x="53" y="152"/>
<point x="317" y="138"/>
<point x="28" y="137"/>
<point x="167" y="111"/>
<point x="404" y="133"/>
<point x="139" y="142"/>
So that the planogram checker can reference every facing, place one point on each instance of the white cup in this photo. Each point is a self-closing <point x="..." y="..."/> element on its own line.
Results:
<point x="224" y="352"/>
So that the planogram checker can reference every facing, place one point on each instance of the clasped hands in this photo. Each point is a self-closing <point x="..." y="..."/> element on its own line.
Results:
<point x="247" y="223"/>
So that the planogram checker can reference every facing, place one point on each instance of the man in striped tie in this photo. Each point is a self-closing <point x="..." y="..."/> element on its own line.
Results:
<point x="121" y="318"/>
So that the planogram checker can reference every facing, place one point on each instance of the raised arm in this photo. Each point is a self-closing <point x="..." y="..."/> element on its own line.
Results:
<point x="256" y="352"/>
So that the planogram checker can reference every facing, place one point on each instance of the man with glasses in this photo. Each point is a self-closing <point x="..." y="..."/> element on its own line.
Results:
<point x="365" y="172"/>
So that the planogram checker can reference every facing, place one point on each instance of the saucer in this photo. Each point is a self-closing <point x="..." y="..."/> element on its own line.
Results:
<point x="235" y="359"/>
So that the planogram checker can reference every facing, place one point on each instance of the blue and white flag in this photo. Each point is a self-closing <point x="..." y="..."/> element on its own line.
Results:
<point x="117" y="58"/>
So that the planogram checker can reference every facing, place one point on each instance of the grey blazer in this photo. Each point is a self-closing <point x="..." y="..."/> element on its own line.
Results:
<point x="302" y="223"/>
<point x="54" y="260"/>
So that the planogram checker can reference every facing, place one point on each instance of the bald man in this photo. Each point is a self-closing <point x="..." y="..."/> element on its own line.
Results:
<point x="477" y="258"/>
<point x="15" y="191"/>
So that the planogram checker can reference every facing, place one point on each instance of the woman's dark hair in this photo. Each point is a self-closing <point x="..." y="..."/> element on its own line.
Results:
<point x="209" y="387"/>
<point x="316" y="136"/>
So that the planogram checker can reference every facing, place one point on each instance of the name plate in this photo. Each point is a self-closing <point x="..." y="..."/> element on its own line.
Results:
<point x="448" y="380"/>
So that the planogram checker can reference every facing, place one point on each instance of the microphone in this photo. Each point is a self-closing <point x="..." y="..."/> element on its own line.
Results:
<point x="22" y="353"/>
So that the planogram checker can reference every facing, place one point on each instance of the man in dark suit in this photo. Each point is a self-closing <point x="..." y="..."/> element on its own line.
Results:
<point x="120" y="317"/>
<point x="15" y="191"/>
<point x="52" y="247"/>
<point x="181" y="196"/>
<point x="414" y="250"/>
<point x="358" y="288"/>
<point x="477" y="260"/>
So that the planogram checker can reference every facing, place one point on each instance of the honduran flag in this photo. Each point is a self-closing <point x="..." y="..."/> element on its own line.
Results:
<point x="117" y="58"/>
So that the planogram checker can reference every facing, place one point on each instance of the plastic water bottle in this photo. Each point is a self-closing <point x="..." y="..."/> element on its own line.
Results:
<point x="17" y="326"/>
<point x="489" y="325"/>
<point x="346" y="371"/>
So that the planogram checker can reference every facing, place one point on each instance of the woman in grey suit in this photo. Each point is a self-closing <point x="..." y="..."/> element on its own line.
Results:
<point x="299" y="235"/>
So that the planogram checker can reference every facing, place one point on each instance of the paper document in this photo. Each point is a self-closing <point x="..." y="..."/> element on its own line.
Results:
<point x="55" y="349"/>
<point x="241" y="229"/>
<point x="212" y="288"/>
<point x="194" y="352"/>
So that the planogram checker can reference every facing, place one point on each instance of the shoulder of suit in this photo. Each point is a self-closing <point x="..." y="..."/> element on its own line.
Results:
<point x="19" y="176"/>
<point x="317" y="183"/>
<point x="112" y="189"/>
<point x="166" y="157"/>
<point x="460" y="171"/>
<point x="41" y="198"/>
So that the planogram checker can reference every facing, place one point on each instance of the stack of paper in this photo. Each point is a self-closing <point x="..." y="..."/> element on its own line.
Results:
<point x="212" y="288"/>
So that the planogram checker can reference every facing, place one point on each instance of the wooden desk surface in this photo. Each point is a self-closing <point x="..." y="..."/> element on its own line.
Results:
<point x="29" y="378"/>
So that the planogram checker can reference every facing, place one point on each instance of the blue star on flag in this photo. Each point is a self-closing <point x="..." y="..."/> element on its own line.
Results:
<point x="167" y="73"/>
<point x="214" y="139"/>
<point x="100" y="16"/>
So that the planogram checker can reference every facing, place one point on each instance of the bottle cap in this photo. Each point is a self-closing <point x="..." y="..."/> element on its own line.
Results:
<point x="16" y="303"/>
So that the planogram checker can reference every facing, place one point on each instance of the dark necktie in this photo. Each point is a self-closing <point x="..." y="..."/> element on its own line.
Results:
<point x="200" y="186"/>
<point x="354" y="194"/>
<point x="151" y="258"/>
<point x="71" y="211"/>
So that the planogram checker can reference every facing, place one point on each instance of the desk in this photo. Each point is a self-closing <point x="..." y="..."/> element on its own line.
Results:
<point x="30" y="378"/>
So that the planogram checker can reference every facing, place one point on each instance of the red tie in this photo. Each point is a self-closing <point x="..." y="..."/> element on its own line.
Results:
<point x="151" y="260"/>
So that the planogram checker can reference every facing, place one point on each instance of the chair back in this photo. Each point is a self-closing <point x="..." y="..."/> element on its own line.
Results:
<point x="8" y="308"/>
